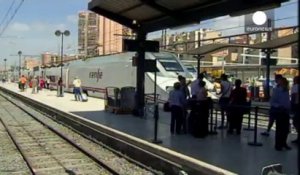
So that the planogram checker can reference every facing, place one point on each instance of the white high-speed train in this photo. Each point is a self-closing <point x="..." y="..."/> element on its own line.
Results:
<point x="117" y="71"/>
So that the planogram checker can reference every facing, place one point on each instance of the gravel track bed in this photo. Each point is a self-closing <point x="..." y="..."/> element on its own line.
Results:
<point x="36" y="136"/>
<point x="11" y="161"/>
<point x="120" y="164"/>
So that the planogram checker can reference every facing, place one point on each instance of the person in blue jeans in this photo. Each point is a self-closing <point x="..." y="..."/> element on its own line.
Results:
<point x="77" y="89"/>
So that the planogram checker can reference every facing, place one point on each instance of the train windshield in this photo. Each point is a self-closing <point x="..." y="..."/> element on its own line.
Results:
<point x="169" y="62"/>
<point x="191" y="69"/>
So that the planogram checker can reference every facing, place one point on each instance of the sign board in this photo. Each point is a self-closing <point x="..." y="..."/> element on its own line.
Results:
<point x="150" y="66"/>
<point x="133" y="45"/>
<point x="258" y="21"/>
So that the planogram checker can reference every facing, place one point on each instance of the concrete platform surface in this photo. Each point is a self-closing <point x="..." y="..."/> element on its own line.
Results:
<point x="230" y="152"/>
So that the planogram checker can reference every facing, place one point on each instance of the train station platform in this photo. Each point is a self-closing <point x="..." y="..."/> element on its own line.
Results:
<point x="230" y="152"/>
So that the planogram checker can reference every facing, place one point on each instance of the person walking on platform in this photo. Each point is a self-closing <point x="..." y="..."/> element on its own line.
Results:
<point x="34" y="85"/>
<point x="47" y="83"/>
<point x="38" y="87"/>
<point x="295" y="105"/>
<point x="280" y="106"/>
<point x="42" y="83"/>
<point x="237" y="106"/>
<point x="22" y="83"/>
<point x="271" y="117"/>
<point x="177" y="102"/>
<point x="77" y="89"/>
<point x="224" y="99"/>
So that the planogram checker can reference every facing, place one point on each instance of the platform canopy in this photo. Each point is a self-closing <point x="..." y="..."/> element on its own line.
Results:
<point x="271" y="44"/>
<point x="153" y="15"/>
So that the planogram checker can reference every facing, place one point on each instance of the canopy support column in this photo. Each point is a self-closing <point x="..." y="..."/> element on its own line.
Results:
<point x="140" y="74"/>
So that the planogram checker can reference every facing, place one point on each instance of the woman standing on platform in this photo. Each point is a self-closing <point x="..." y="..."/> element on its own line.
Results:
<point x="238" y="99"/>
<point x="177" y="102"/>
<point x="280" y="106"/>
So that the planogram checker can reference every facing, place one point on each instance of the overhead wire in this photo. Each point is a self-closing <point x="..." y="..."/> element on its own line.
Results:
<point x="6" y="14"/>
<point x="11" y="17"/>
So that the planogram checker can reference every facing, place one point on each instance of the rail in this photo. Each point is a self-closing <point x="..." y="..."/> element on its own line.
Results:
<point x="88" y="153"/>
<point x="137" y="150"/>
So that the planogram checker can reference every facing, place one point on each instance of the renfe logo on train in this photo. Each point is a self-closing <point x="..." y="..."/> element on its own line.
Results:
<point x="97" y="75"/>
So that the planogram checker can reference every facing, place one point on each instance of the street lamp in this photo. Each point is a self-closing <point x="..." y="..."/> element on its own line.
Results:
<point x="20" y="54"/>
<point x="58" y="33"/>
<point x="5" y="73"/>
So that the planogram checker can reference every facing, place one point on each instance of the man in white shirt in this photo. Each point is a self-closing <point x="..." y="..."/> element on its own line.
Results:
<point x="77" y="89"/>
<point x="226" y="89"/>
<point x="195" y="85"/>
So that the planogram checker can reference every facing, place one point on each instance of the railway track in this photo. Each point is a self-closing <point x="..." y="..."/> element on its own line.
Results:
<point x="50" y="148"/>
<point x="12" y="162"/>
<point x="127" y="155"/>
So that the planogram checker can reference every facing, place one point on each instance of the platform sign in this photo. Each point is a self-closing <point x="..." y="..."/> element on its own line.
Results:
<point x="133" y="45"/>
<point x="150" y="66"/>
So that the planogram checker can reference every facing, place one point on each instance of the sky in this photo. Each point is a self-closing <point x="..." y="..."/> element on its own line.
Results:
<point x="32" y="29"/>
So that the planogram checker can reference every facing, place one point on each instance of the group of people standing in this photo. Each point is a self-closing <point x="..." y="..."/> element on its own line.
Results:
<point x="233" y="103"/>
<point x="35" y="82"/>
<point x="180" y="99"/>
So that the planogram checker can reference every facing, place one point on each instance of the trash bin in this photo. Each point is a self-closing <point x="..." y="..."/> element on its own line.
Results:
<point x="112" y="98"/>
<point x="127" y="98"/>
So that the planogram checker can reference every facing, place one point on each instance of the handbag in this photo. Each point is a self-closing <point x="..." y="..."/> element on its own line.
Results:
<point x="167" y="107"/>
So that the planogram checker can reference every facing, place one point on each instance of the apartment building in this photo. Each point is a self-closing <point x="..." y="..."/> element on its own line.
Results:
<point x="98" y="35"/>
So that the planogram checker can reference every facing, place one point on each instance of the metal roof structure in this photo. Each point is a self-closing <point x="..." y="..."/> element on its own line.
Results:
<point x="153" y="15"/>
<point x="271" y="44"/>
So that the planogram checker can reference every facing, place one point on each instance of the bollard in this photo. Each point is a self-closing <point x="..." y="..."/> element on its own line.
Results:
<point x="216" y="121"/>
<point x="156" y="116"/>
<point x="212" y="129"/>
<point x="249" y="121"/>
<point x="255" y="143"/>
